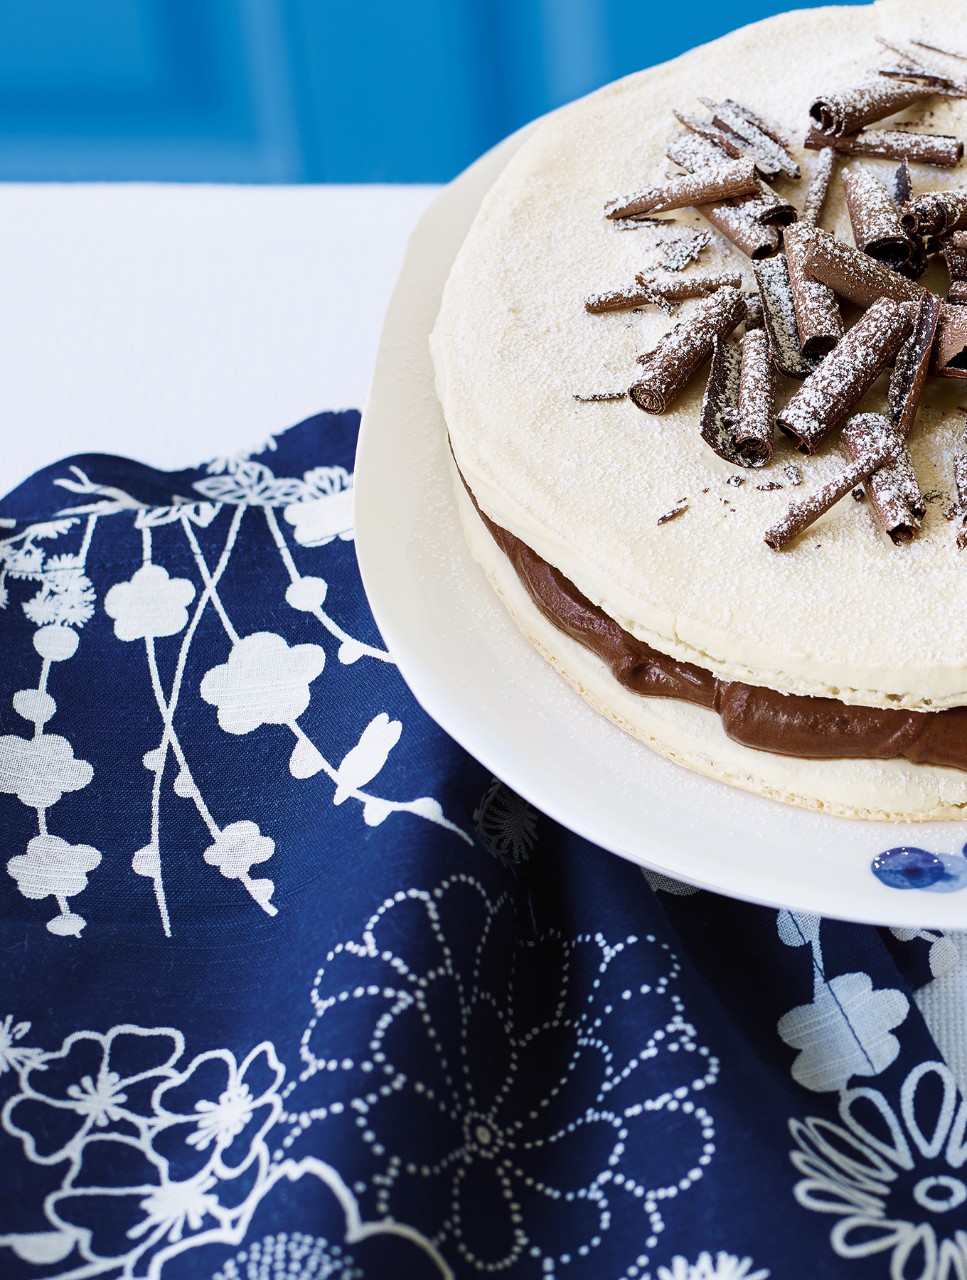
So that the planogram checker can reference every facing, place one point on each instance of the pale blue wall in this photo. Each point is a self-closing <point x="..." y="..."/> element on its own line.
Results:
<point x="309" y="90"/>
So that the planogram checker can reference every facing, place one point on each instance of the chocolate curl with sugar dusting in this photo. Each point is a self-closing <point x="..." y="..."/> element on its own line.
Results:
<point x="679" y="353"/>
<point x="801" y="515"/>
<point x="855" y="276"/>
<point x="720" y="405"/>
<point x="940" y="149"/>
<point x="829" y="394"/>
<point x="765" y="141"/>
<point x="912" y="365"/>
<point x="713" y="182"/>
<point x="729" y="143"/>
<point x="892" y="489"/>
<point x="818" y="189"/>
<point x="936" y="213"/>
<point x="745" y="221"/>
<point x="955" y="253"/>
<point x="950" y="344"/>
<point x="779" y="314"/>
<point x="847" y="111"/>
<point x="875" y="219"/>
<point x="914" y="66"/>
<point x="960" y="480"/>
<point x="755" y="425"/>
<point x="901" y="183"/>
<point x="754" y="314"/>
<point x="818" y="320"/>
<point x="656" y="291"/>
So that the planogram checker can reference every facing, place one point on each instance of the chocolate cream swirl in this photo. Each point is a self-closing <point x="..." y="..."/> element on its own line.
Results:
<point x="788" y="724"/>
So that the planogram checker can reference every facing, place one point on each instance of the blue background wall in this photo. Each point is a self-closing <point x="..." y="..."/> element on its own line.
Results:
<point x="310" y="90"/>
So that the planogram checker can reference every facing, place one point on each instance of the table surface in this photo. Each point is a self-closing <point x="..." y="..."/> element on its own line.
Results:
<point x="172" y="323"/>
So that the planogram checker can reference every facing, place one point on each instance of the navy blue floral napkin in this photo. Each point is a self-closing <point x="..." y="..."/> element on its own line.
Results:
<point x="293" y="988"/>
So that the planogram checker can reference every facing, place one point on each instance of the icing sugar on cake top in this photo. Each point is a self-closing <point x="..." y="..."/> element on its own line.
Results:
<point x="842" y="612"/>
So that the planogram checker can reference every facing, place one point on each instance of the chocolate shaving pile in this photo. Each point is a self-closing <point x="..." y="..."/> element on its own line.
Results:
<point x="794" y="324"/>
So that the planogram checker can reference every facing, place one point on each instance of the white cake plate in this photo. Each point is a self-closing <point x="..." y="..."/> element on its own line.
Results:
<point x="477" y="676"/>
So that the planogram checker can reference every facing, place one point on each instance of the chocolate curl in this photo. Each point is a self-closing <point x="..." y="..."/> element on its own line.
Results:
<point x="855" y="276"/>
<point x="755" y="426"/>
<point x="936" y="213"/>
<point x="939" y="149"/>
<point x="880" y="445"/>
<point x="847" y="111"/>
<point x="827" y="396"/>
<point x="754" y="314"/>
<point x="812" y="207"/>
<point x="912" y="364"/>
<point x="657" y="292"/>
<point x="960" y="479"/>
<point x="818" y="321"/>
<point x="720" y="405"/>
<point x="950" y="344"/>
<point x="892" y="489"/>
<point x="955" y="253"/>
<point x="729" y="143"/>
<point x="915" y="66"/>
<point x="764" y="139"/>
<point x="875" y="218"/>
<point x="681" y="351"/>
<point x="722" y="181"/>
<point x="901" y="183"/>
<point x="779" y="314"/>
<point x="694" y="152"/>
<point x="745" y="221"/>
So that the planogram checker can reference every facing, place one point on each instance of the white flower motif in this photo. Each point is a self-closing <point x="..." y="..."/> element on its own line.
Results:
<point x="151" y="604"/>
<point x="895" y="1182"/>
<point x="724" y="1266"/>
<point x="531" y="1084"/>
<point x="264" y="681"/>
<point x="216" y="1114"/>
<point x="318" y="520"/>
<point x="53" y="868"/>
<point x="102" y="1099"/>
<point x="236" y="849"/>
<point x="92" y="1082"/>
<point x="844" y="1032"/>
<point x="38" y="771"/>
<point x="66" y="596"/>
<point x="175" y="1206"/>
<point x="12" y="1057"/>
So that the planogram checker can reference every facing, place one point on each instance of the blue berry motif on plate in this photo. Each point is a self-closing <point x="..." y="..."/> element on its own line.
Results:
<point x="908" y="867"/>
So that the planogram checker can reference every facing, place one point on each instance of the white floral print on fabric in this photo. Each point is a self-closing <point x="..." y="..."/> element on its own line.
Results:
<point x="151" y="604"/>
<point x="264" y="680"/>
<point x="846" y="1029"/>
<point x="482" y="1051"/>
<point x="724" y="1266"/>
<point x="892" y="1178"/>
<point x="162" y="1155"/>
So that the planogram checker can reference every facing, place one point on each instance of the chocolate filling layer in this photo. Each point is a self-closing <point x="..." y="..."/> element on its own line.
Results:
<point x="789" y="724"/>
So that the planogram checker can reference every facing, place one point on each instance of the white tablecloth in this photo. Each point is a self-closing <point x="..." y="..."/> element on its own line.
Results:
<point x="173" y="323"/>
